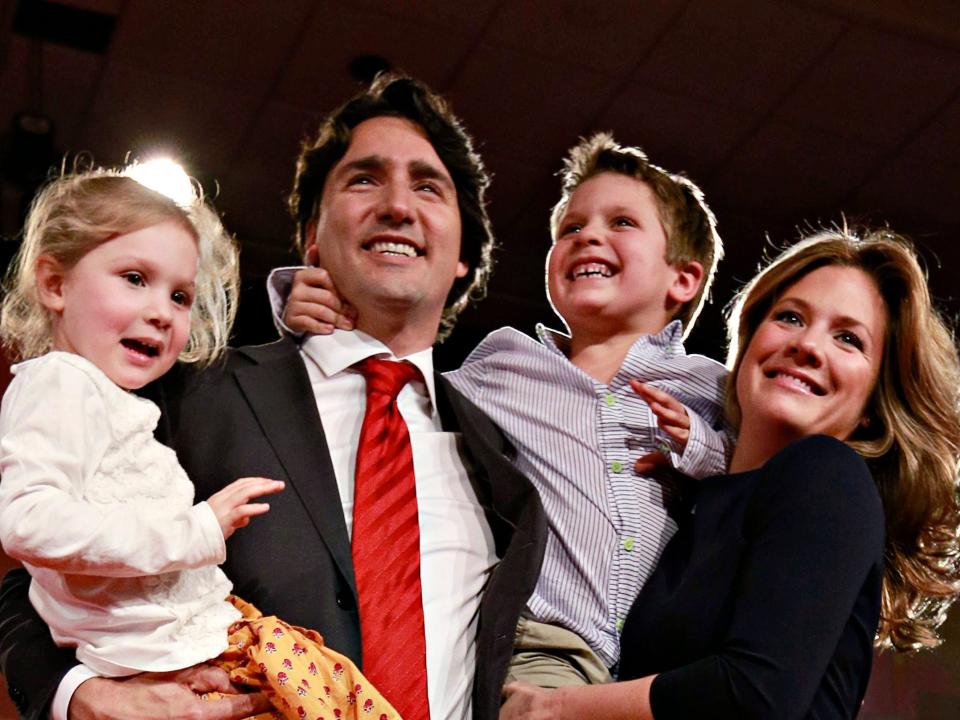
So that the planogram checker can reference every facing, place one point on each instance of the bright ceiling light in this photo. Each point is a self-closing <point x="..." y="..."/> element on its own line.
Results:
<point x="166" y="177"/>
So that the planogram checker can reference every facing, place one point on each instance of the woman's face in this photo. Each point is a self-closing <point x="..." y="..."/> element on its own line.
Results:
<point x="814" y="359"/>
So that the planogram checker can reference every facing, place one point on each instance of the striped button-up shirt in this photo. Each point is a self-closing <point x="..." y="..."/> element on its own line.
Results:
<point x="577" y="439"/>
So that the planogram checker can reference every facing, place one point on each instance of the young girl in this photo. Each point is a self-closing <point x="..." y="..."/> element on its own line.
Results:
<point x="113" y="284"/>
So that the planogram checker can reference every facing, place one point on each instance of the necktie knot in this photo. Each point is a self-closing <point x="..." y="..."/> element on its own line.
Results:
<point x="387" y="377"/>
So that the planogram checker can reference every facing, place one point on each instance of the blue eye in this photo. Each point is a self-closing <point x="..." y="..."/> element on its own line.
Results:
<point x="850" y="338"/>
<point x="788" y="316"/>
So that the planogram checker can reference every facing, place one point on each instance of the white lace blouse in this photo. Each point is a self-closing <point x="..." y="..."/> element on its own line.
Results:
<point x="124" y="565"/>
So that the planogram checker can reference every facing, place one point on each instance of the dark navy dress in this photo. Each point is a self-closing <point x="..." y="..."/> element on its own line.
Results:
<point x="766" y="601"/>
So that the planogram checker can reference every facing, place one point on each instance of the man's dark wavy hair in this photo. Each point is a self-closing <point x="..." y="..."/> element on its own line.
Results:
<point x="393" y="95"/>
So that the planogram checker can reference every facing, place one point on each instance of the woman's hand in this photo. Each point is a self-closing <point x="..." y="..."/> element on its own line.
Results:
<point x="232" y="505"/>
<point x="529" y="702"/>
<point x="629" y="700"/>
<point x="314" y="305"/>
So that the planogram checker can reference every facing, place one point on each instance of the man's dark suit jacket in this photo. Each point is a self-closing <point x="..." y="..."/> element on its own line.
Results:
<point x="256" y="415"/>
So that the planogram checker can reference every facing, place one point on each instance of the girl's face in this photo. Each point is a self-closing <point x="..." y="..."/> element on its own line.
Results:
<point x="125" y="306"/>
<point x="814" y="360"/>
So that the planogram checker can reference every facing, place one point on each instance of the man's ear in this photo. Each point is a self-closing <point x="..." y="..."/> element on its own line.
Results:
<point x="687" y="283"/>
<point x="50" y="280"/>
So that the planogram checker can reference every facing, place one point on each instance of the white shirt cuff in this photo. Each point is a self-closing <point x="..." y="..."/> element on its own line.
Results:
<point x="213" y="531"/>
<point x="279" y="284"/>
<point x="75" y="676"/>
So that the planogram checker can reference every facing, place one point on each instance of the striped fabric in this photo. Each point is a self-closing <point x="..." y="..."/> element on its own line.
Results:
<point x="386" y="544"/>
<point x="577" y="440"/>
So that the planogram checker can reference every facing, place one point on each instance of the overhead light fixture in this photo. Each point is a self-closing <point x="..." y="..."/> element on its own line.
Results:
<point x="166" y="177"/>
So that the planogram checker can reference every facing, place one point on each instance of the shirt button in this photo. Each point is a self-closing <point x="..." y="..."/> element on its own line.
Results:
<point x="610" y="399"/>
<point x="628" y="544"/>
<point x="620" y="625"/>
<point x="616" y="466"/>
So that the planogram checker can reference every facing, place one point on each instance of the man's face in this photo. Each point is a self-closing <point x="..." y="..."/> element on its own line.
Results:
<point x="388" y="226"/>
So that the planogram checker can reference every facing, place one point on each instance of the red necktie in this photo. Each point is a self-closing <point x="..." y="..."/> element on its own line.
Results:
<point x="386" y="545"/>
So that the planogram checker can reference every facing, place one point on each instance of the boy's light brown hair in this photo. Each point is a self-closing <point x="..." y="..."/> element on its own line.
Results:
<point x="689" y="225"/>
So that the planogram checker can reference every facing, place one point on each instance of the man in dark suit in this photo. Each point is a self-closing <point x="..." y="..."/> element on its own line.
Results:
<point x="389" y="200"/>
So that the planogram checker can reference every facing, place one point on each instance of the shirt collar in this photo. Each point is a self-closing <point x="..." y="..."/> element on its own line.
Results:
<point x="554" y="340"/>
<point x="336" y="352"/>
<point x="669" y="340"/>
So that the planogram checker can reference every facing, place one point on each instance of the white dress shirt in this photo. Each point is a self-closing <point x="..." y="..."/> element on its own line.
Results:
<point x="457" y="550"/>
<point x="456" y="544"/>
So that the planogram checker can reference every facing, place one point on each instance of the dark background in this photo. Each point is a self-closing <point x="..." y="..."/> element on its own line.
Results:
<point x="789" y="114"/>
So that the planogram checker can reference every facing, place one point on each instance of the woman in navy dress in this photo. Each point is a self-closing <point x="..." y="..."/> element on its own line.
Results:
<point x="836" y="527"/>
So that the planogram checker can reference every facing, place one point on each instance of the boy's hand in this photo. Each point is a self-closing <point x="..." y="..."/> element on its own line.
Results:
<point x="672" y="418"/>
<point x="232" y="505"/>
<point x="314" y="305"/>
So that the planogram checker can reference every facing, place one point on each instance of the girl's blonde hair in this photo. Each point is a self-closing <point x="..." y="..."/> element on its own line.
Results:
<point x="75" y="213"/>
<point x="911" y="439"/>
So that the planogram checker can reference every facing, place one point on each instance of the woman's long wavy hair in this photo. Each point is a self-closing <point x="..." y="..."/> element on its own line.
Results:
<point x="911" y="441"/>
<point x="75" y="213"/>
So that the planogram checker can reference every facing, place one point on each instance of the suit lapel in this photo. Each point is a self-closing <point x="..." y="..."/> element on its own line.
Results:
<point x="279" y="393"/>
<point x="502" y="490"/>
<point x="519" y="530"/>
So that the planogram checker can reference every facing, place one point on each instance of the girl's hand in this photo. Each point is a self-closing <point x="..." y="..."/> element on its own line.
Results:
<point x="232" y="505"/>
<point x="314" y="305"/>
<point x="529" y="702"/>
<point x="671" y="417"/>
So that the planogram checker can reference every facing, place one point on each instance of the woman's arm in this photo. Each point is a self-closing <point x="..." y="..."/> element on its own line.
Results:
<point x="813" y="535"/>
<point x="807" y="589"/>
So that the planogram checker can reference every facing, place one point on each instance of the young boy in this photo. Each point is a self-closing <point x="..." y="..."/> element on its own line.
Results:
<point x="633" y="256"/>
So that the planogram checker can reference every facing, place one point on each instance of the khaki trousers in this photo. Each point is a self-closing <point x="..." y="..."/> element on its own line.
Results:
<point x="551" y="656"/>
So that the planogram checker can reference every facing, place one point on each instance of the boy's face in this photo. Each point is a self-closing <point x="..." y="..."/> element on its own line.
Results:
<point x="607" y="269"/>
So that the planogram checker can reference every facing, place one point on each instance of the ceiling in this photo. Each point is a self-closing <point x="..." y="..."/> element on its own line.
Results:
<point x="789" y="114"/>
